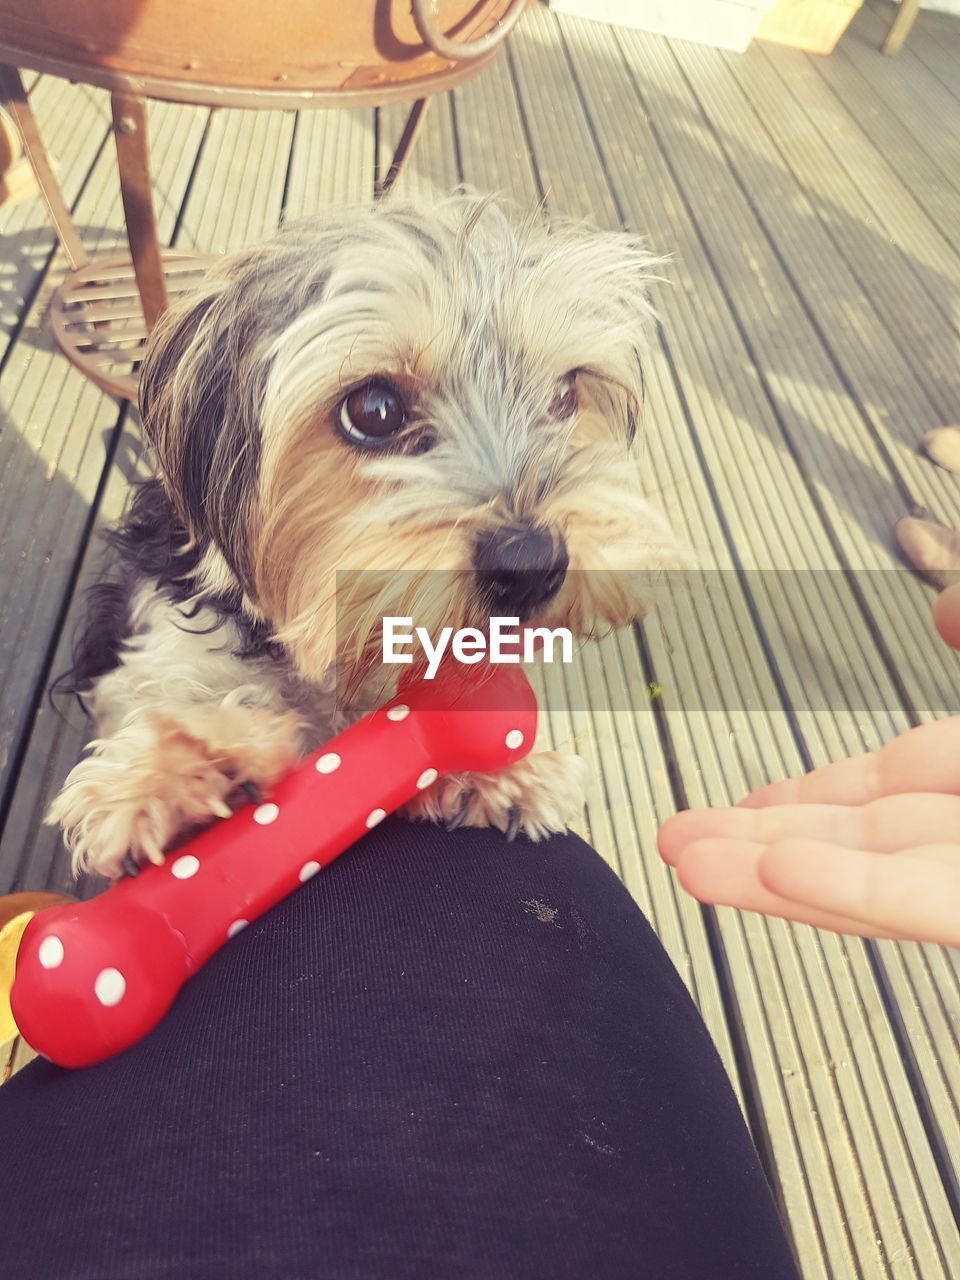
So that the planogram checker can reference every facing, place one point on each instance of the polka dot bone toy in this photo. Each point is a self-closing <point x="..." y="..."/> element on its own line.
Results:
<point x="94" y="977"/>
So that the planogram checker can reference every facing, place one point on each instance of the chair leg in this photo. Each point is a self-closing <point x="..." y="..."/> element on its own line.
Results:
<point x="900" y="27"/>
<point x="400" y="156"/>
<point x="14" y="98"/>
<point x="133" y="160"/>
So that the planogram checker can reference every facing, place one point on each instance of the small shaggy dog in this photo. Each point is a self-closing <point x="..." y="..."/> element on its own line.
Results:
<point x="426" y="405"/>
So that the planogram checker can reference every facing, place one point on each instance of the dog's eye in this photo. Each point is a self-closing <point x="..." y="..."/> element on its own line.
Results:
<point x="371" y="415"/>
<point x="564" y="402"/>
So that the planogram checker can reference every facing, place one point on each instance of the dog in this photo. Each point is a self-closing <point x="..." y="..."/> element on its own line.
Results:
<point x="429" y="404"/>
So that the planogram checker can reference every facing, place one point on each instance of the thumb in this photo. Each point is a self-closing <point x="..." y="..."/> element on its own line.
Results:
<point x="946" y="615"/>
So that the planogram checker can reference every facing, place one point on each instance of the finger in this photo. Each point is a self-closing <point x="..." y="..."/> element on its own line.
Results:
<point x="924" y="759"/>
<point x="915" y="896"/>
<point x="840" y="783"/>
<point x="726" y="874"/>
<point x="883" y="826"/>
<point x="946" y="615"/>
<point x="681" y="830"/>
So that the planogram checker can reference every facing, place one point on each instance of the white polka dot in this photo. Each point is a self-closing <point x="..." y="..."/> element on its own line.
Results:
<point x="328" y="763"/>
<point x="266" y="814"/>
<point x="237" y="927"/>
<point x="426" y="779"/>
<point x="378" y="815"/>
<point x="50" y="953"/>
<point x="185" y="867"/>
<point x="110" y="987"/>
<point x="308" y="870"/>
<point x="399" y="712"/>
<point x="514" y="739"/>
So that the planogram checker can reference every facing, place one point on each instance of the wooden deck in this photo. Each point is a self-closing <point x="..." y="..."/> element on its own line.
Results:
<point x="811" y="336"/>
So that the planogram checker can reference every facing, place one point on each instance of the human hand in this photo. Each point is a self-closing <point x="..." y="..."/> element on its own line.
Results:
<point x="868" y="846"/>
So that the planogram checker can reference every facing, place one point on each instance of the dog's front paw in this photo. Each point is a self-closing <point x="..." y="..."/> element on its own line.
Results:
<point x="105" y="818"/>
<point x="161" y="777"/>
<point x="539" y="795"/>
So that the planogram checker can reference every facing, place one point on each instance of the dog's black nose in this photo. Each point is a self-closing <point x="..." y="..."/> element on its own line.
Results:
<point x="520" y="568"/>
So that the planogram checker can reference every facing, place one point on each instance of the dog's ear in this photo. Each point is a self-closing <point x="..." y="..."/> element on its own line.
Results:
<point x="201" y="387"/>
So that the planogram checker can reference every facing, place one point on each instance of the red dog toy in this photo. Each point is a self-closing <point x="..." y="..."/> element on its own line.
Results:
<point x="93" y="977"/>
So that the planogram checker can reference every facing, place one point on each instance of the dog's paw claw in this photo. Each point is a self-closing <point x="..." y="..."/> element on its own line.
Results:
<point x="251" y="791"/>
<point x="455" y="820"/>
<point x="129" y="866"/>
<point x="514" y="822"/>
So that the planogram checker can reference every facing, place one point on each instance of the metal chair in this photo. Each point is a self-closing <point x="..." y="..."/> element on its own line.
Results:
<point x="307" y="54"/>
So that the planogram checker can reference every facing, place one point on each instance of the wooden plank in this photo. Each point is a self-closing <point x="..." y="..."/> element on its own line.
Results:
<point x="52" y="450"/>
<point x="935" y="41"/>
<point x="432" y="168"/>
<point x="831" y="1049"/>
<point x="862" y="89"/>
<point x="493" y="145"/>
<point x="236" y="196"/>
<point x="74" y="123"/>
<point x="897" y="255"/>
<point x="332" y="161"/>
<point x="925" y="994"/>
<point x="689" y="168"/>
<point x="919" y="99"/>
<point x="925" y="989"/>
<point x="50" y="480"/>
<point x="176" y="134"/>
<point x="53" y="456"/>
<point x="32" y="855"/>
<point x="816" y="343"/>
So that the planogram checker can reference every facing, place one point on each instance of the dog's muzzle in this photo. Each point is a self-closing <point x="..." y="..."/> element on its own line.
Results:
<point x="520" y="568"/>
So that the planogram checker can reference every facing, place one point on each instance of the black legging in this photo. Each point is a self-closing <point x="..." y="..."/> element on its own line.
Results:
<point x="444" y="1058"/>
